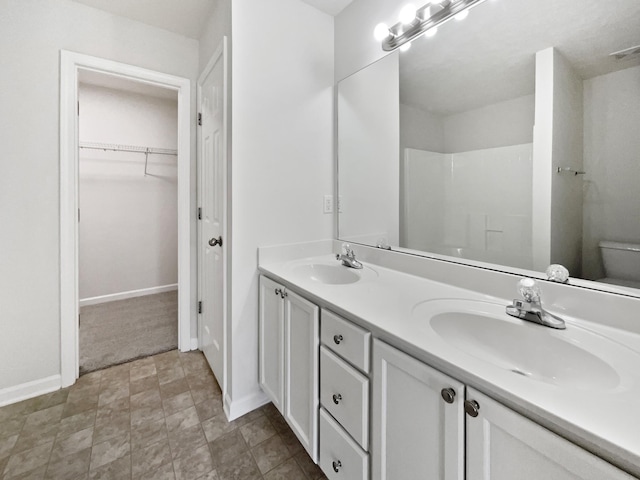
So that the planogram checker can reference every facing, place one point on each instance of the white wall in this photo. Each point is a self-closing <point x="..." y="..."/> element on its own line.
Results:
<point x="611" y="146"/>
<point x="498" y="125"/>
<point x="128" y="235"/>
<point x="421" y="130"/>
<point x="282" y="163"/>
<point x="32" y="32"/>
<point x="368" y="129"/>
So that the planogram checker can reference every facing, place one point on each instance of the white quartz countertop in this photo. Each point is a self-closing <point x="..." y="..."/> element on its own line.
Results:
<point x="395" y="307"/>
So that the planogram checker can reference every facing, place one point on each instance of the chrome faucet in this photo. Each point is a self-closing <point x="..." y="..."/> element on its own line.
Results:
<point x="531" y="308"/>
<point x="348" y="258"/>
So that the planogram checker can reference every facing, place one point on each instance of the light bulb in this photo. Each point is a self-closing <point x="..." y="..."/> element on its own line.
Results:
<point x="381" y="32"/>
<point x="407" y="14"/>
<point x="431" y="32"/>
<point x="462" y="15"/>
<point x="405" y="47"/>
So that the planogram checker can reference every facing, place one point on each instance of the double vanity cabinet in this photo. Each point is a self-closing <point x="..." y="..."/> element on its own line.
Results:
<point x="363" y="408"/>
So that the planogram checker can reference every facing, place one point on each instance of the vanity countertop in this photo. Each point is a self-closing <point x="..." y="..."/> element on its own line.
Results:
<point x="603" y="419"/>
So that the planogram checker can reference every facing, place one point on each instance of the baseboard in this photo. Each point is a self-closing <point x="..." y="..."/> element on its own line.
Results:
<point x="28" y="390"/>
<point x="238" y="408"/>
<point x="130" y="294"/>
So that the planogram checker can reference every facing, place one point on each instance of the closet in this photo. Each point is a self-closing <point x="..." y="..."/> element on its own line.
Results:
<point x="128" y="265"/>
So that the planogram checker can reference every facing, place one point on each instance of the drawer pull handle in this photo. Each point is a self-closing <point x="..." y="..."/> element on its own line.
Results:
<point x="448" y="395"/>
<point x="336" y="466"/>
<point x="471" y="407"/>
<point x="337" y="398"/>
<point x="337" y="339"/>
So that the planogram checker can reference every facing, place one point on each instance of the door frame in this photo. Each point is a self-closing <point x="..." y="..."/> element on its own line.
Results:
<point x="220" y="54"/>
<point x="70" y="64"/>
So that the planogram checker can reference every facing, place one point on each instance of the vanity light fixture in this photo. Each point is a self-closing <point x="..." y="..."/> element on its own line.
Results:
<point x="414" y="22"/>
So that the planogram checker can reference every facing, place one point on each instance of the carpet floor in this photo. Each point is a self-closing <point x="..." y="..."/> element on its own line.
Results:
<point x="116" y="332"/>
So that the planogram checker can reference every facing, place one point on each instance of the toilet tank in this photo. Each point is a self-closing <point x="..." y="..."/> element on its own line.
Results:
<point x="621" y="260"/>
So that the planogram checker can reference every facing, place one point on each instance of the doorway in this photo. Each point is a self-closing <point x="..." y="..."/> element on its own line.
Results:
<point x="128" y="233"/>
<point x="72" y="65"/>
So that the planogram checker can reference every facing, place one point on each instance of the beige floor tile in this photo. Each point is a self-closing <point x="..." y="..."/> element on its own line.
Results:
<point x="159" y="418"/>
<point x="178" y="403"/>
<point x="150" y="458"/>
<point x="193" y="465"/>
<point x="217" y="426"/>
<point x="165" y="472"/>
<point x="241" y="468"/>
<point x="71" y="444"/>
<point x="270" y="453"/>
<point x="257" y="431"/>
<point x="148" y="433"/>
<point x="110" y="450"/>
<point x="185" y="440"/>
<point x="119" y="469"/>
<point x="209" y="408"/>
<point x="228" y="447"/>
<point x="289" y="470"/>
<point x="28" y="460"/>
<point x="183" y="419"/>
<point x="69" y="466"/>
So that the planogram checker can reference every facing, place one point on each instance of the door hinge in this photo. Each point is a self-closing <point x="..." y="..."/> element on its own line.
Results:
<point x="199" y="307"/>
<point x="199" y="213"/>
<point x="200" y="119"/>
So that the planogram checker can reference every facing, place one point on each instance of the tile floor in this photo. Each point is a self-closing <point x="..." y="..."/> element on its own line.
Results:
<point x="156" y="418"/>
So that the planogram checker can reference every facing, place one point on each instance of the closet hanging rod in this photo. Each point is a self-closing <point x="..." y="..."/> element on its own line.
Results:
<point x="127" y="148"/>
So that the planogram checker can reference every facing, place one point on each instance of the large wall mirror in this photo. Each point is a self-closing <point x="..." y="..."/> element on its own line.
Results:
<point x="508" y="140"/>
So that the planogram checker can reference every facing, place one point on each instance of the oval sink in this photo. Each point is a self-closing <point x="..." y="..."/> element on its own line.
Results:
<point x="328" y="274"/>
<point x="572" y="358"/>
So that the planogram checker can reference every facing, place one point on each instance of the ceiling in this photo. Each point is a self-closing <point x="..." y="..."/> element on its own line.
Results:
<point x="332" y="7"/>
<point x="490" y="56"/>
<point x="184" y="17"/>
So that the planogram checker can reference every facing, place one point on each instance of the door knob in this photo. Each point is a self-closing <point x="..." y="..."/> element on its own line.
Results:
<point x="216" y="241"/>
<point x="448" y="395"/>
<point x="471" y="407"/>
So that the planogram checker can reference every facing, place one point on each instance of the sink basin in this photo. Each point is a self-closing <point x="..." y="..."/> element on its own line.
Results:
<point x="572" y="358"/>
<point x="328" y="274"/>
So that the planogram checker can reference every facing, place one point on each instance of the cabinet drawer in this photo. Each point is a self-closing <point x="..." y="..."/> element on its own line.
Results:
<point x="346" y="339"/>
<point x="344" y="393"/>
<point x="340" y="457"/>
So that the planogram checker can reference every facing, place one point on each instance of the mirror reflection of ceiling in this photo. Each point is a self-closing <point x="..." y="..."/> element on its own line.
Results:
<point x="489" y="57"/>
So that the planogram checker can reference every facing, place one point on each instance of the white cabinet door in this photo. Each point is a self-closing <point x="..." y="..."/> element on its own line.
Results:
<point x="503" y="445"/>
<point x="416" y="434"/>
<point x="302" y="338"/>
<point x="271" y="336"/>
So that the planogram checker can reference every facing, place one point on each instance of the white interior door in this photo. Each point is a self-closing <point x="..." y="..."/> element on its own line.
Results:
<point x="212" y="213"/>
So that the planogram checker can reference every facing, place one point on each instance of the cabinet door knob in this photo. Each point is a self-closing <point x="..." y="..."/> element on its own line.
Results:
<point x="471" y="407"/>
<point x="278" y="291"/>
<point x="336" y="466"/>
<point x="337" y="339"/>
<point x="337" y="398"/>
<point x="448" y="395"/>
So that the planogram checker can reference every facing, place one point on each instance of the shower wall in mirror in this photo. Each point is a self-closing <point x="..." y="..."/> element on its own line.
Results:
<point x="509" y="139"/>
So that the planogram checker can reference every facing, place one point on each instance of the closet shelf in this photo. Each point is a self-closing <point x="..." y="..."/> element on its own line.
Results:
<point x="129" y="148"/>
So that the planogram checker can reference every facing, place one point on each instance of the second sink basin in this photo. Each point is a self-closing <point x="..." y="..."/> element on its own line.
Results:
<point x="572" y="358"/>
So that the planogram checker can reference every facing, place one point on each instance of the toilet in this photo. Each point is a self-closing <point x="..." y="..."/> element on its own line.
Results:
<point x="621" y="263"/>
